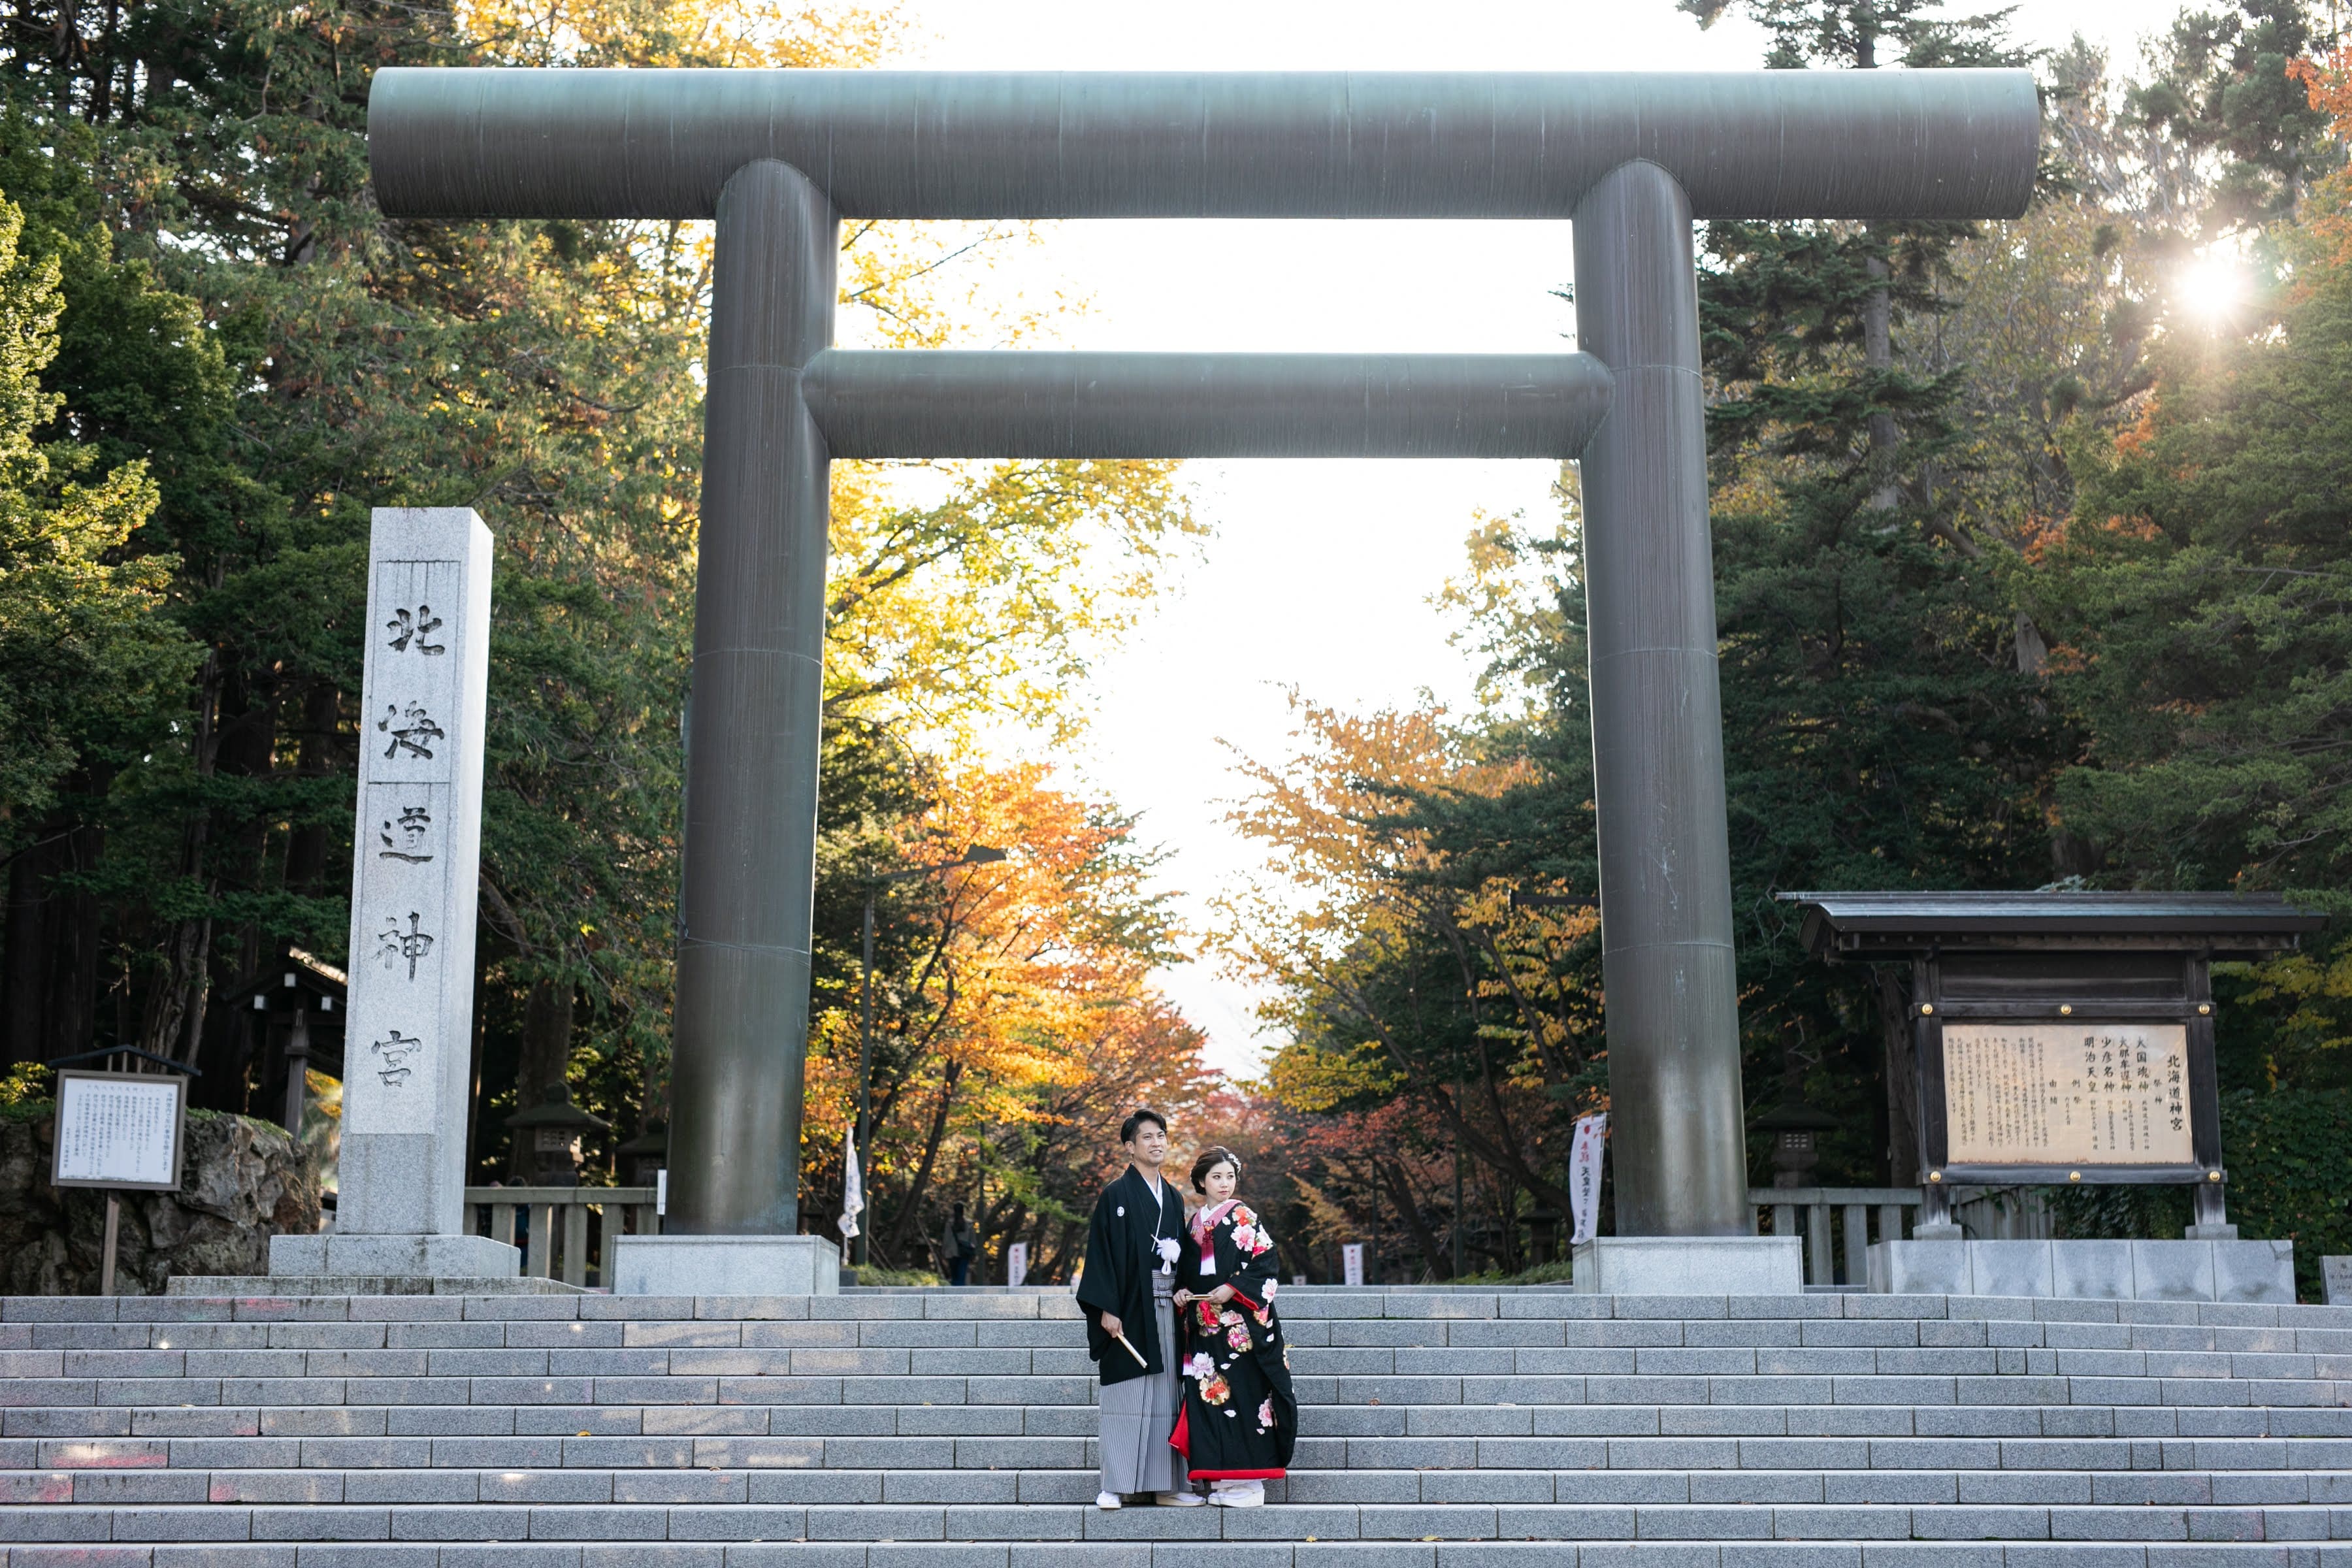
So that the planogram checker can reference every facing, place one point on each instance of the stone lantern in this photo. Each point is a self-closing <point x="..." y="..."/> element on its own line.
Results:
<point x="1793" y="1124"/>
<point x="554" y="1129"/>
<point x="641" y="1159"/>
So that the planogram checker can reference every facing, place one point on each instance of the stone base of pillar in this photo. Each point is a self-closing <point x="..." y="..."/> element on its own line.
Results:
<point x="2196" y="1270"/>
<point x="1690" y="1266"/>
<point x="430" y="1257"/>
<point x="725" y="1266"/>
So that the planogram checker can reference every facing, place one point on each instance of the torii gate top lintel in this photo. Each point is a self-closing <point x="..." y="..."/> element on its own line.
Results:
<point x="617" y="143"/>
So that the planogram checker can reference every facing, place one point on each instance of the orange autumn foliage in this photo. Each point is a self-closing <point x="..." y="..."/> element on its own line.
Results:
<point x="1031" y="1022"/>
<point x="2328" y="82"/>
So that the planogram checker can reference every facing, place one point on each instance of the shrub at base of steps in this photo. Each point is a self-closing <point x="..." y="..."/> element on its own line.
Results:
<point x="869" y="1274"/>
<point x="1559" y="1273"/>
<point x="243" y="1182"/>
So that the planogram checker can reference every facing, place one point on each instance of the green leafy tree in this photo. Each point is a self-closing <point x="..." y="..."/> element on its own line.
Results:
<point x="2202" y="590"/>
<point x="241" y="320"/>
<point x="87" y="659"/>
<point x="2223" y="91"/>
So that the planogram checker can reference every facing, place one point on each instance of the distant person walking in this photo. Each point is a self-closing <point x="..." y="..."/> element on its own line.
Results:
<point x="959" y="1245"/>
<point x="1127" y="1292"/>
<point x="1240" y="1420"/>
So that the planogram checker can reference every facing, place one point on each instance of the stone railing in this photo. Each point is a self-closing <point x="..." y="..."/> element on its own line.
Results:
<point x="563" y="1230"/>
<point x="1838" y="1224"/>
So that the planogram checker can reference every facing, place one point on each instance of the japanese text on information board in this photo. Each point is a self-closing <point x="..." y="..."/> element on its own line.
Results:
<point x="117" y="1130"/>
<point x="2052" y="1094"/>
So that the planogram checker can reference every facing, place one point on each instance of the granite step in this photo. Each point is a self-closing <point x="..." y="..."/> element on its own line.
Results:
<point x="1296" y="1522"/>
<point x="1227" y="1553"/>
<point x="1322" y="1425"/>
<point x="2083" y="1455"/>
<point x="173" y="1356"/>
<point x="1326" y="1431"/>
<point x="1843" y="1406"/>
<point x="944" y="1429"/>
<point x="1297" y="1303"/>
<point x="1050" y="1324"/>
<point x="1063" y="1333"/>
<point x="714" y="1484"/>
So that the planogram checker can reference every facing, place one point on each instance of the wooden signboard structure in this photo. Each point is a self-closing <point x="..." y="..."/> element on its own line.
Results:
<point x="121" y="1132"/>
<point x="2060" y="1039"/>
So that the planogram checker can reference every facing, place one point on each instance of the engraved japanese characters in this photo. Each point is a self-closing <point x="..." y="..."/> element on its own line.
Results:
<point x="2018" y="1093"/>
<point x="415" y="869"/>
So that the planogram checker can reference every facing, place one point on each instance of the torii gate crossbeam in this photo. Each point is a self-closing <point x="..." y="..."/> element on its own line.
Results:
<point x="780" y="157"/>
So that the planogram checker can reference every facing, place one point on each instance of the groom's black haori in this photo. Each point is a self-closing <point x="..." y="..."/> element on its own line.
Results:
<point x="1122" y="1255"/>
<point x="1136" y="1230"/>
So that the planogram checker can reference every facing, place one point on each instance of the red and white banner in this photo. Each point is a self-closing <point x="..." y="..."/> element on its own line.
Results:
<point x="1584" y="1158"/>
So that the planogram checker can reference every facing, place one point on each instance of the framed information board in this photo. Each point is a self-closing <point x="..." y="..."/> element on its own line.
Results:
<point x="120" y="1130"/>
<point x="2108" y="1100"/>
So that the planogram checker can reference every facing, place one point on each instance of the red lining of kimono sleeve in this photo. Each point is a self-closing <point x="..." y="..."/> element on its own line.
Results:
<point x="1240" y="1294"/>
<point x="1238" y="1475"/>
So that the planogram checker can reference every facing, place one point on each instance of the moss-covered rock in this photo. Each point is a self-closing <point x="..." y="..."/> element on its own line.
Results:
<point x="243" y="1182"/>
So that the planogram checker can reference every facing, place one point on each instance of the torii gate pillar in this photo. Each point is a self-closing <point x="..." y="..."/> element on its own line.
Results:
<point x="1675" y="1108"/>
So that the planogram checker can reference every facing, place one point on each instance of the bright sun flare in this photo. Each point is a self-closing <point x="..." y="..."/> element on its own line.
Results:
<point x="2211" y="288"/>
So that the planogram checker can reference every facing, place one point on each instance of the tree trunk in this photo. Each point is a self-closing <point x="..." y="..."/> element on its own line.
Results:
<point x="546" y="1052"/>
<point x="31" y="958"/>
<point x="307" y="852"/>
<point x="474" y="1076"/>
<point x="913" y="1205"/>
<point x="1059" y="1264"/>
<point x="1878" y="351"/>
<point x="73" y="997"/>
<point x="1440" y="1264"/>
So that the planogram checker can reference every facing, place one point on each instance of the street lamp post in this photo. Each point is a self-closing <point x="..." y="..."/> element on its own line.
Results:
<point x="861" y="1145"/>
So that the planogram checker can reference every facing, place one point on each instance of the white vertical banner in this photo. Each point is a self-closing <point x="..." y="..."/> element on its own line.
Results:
<point x="853" y="1190"/>
<point x="1584" y="1157"/>
<point x="416" y="851"/>
<point x="1016" y="1263"/>
<point x="1351" y="1262"/>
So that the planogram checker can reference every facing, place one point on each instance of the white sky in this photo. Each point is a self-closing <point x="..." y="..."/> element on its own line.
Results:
<point x="1319" y="574"/>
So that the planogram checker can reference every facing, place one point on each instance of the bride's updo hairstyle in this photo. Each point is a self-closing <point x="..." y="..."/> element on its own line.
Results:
<point x="1210" y="1158"/>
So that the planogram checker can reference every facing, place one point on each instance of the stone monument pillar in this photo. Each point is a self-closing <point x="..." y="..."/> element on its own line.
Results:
<point x="407" y="1052"/>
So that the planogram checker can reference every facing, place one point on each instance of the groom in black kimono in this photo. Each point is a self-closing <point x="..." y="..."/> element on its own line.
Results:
<point x="1127" y="1294"/>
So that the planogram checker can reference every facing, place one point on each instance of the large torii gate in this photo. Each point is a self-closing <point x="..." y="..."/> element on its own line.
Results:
<point x="779" y="157"/>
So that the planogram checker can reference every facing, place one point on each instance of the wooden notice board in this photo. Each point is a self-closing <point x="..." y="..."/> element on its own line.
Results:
<point x="2056" y="1036"/>
<point x="120" y="1130"/>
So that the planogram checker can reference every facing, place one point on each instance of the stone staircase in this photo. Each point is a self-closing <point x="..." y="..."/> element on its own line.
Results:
<point x="939" y="1429"/>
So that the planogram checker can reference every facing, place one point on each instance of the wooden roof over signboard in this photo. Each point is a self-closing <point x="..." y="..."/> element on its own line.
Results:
<point x="1897" y="924"/>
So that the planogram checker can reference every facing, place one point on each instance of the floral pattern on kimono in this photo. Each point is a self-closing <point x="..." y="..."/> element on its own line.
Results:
<point x="1239" y="1419"/>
